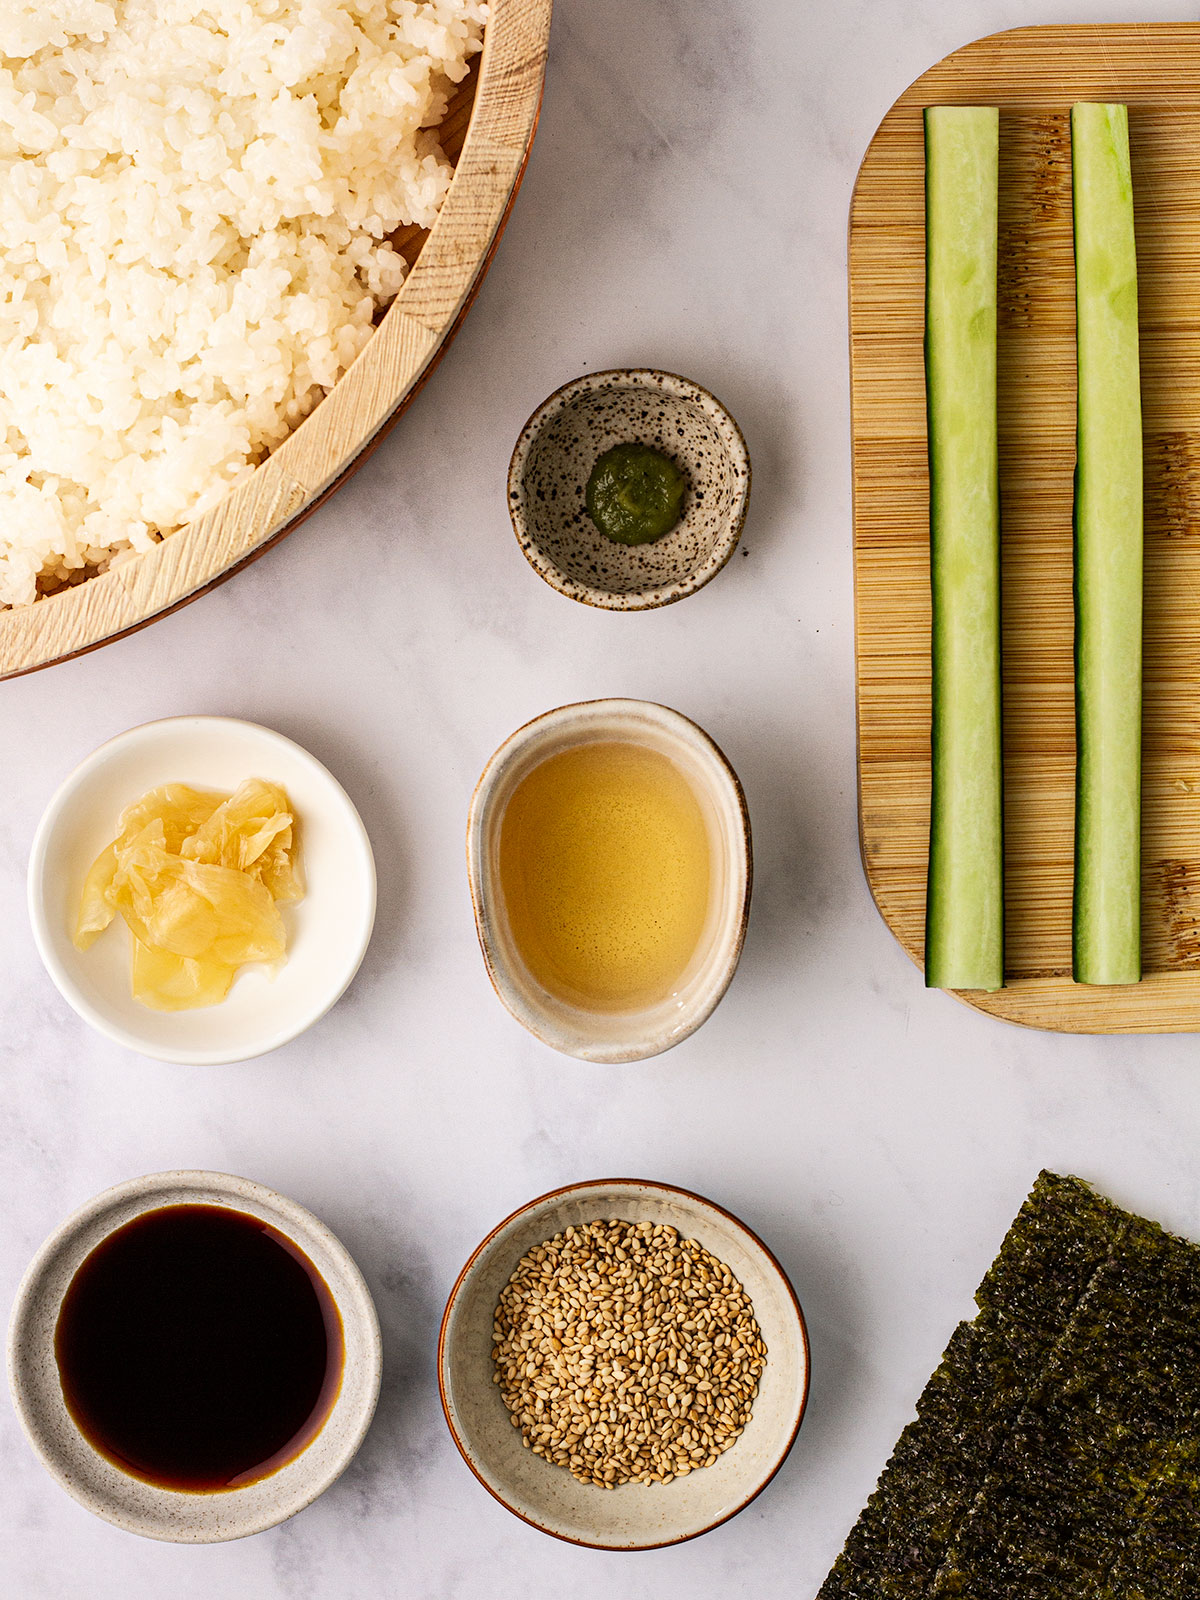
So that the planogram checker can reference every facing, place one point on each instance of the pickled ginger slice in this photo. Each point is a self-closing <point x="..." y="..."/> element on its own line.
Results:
<point x="167" y="982"/>
<point x="180" y="808"/>
<point x="138" y="875"/>
<point x="242" y="828"/>
<point x="96" y="910"/>
<point x="196" y="910"/>
<point x="255" y="830"/>
<point x="278" y="868"/>
<point x="196" y="875"/>
<point x="177" y="809"/>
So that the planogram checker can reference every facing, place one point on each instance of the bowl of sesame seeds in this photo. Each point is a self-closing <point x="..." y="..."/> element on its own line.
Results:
<point x="623" y="1364"/>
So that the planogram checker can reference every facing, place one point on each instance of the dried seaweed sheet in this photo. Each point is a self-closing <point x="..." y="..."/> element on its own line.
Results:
<point x="1088" y="1492"/>
<point x="1162" y="1560"/>
<point x="1061" y="1239"/>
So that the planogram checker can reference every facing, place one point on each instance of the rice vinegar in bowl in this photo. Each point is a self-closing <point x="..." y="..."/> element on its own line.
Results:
<point x="604" y="868"/>
<point x="609" y="854"/>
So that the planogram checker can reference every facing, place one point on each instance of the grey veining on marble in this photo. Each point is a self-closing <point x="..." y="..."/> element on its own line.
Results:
<point x="685" y="208"/>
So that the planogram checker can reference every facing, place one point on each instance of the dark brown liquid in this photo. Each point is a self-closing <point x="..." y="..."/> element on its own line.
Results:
<point x="198" y="1348"/>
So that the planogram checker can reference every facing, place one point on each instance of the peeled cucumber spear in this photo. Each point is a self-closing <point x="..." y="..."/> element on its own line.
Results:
<point x="1108" y="554"/>
<point x="964" y="916"/>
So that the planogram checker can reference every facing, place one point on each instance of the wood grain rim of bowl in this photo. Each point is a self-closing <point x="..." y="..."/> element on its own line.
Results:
<point x="613" y="1039"/>
<point x="366" y="401"/>
<point x="669" y="1193"/>
<point x="695" y="569"/>
<point x="130" y="1503"/>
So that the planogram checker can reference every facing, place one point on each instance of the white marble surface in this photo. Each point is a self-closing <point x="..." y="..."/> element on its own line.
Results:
<point x="685" y="207"/>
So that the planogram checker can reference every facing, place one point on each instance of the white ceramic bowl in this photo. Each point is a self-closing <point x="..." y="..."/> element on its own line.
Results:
<point x="138" y="1507"/>
<point x="627" y="1035"/>
<point x="635" y="1516"/>
<point x="328" y="931"/>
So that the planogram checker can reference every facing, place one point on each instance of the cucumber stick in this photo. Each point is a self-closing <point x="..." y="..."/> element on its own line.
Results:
<point x="964" y="915"/>
<point x="1108" y="554"/>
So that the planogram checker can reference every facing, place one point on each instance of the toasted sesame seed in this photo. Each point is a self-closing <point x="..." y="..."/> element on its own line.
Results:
<point x="625" y="1354"/>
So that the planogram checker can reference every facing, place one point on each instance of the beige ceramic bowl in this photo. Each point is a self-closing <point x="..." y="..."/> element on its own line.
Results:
<point x="138" y="1507"/>
<point x="627" y="1035"/>
<point x="635" y="1516"/>
<point x="553" y="460"/>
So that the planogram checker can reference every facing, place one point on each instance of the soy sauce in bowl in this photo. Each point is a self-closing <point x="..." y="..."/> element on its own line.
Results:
<point x="198" y="1348"/>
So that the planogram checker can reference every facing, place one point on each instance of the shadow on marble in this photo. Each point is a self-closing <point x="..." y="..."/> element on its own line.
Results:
<point x="799" y="876"/>
<point x="387" y="829"/>
<point x="823" y="1285"/>
<point x="407" y="1431"/>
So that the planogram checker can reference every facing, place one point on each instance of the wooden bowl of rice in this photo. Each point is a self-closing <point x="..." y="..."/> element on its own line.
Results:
<point x="486" y="132"/>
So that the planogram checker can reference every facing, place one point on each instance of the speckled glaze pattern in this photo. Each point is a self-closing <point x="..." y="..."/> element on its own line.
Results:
<point x="142" y="1508"/>
<point x="553" y="460"/>
<point x="635" y="1516"/>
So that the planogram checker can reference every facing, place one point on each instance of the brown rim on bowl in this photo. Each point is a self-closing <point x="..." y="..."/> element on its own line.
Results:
<point x="630" y="378"/>
<point x="660" y="1188"/>
<point x="540" y="1022"/>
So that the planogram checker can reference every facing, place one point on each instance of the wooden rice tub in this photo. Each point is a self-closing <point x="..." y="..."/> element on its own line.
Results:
<point x="487" y="132"/>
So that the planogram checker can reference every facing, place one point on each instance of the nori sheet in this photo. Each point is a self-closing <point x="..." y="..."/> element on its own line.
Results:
<point x="1162" y="1560"/>
<point x="1051" y="1254"/>
<point x="1089" y="1494"/>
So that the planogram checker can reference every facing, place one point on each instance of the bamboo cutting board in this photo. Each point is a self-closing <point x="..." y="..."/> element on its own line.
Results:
<point x="1034" y="75"/>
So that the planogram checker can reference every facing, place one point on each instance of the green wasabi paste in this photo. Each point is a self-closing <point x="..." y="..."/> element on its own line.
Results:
<point x="635" y="494"/>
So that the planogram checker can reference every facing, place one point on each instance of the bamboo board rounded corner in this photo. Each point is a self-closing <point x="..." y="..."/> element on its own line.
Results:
<point x="342" y="430"/>
<point x="1034" y="75"/>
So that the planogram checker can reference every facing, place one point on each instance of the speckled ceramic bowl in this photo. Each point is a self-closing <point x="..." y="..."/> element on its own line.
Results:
<point x="138" y="1507"/>
<point x="635" y="1516"/>
<point x="553" y="460"/>
<point x="633" y="1035"/>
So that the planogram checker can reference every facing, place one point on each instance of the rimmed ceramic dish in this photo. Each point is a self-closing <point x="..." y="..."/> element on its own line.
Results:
<point x="319" y="454"/>
<point x="327" y="931"/>
<point x="553" y="460"/>
<point x="120" y="1498"/>
<point x="607" y="1036"/>
<point x="634" y="1516"/>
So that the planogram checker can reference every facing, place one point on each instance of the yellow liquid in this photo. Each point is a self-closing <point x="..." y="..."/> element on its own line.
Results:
<point x="604" y="869"/>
